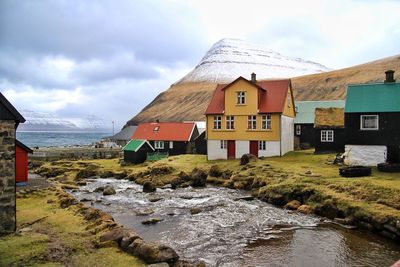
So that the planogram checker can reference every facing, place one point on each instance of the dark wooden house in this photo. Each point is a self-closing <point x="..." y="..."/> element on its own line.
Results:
<point x="372" y="122"/>
<point x="9" y="121"/>
<point x="200" y="143"/>
<point x="173" y="138"/>
<point x="304" y="131"/>
<point x="329" y="130"/>
<point x="21" y="162"/>
<point x="136" y="151"/>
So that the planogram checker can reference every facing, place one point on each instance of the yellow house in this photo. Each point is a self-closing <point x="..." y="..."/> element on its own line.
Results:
<point x="250" y="117"/>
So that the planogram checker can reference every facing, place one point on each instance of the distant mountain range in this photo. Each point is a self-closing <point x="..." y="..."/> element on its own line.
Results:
<point x="228" y="59"/>
<point x="41" y="121"/>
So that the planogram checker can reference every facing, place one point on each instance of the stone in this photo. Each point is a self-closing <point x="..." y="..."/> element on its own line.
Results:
<point x="194" y="211"/>
<point x="109" y="190"/>
<point x="246" y="198"/>
<point x="292" y="205"/>
<point x="155" y="199"/>
<point x="161" y="264"/>
<point x="144" y="212"/>
<point x="99" y="189"/>
<point x="215" y="171"/>
<point x="156" y="253"/>
<point x="151" y="221"/>
<point x="135" y="244"/>
<point x="128" y="239"/>
<point x="149" y="187"/>
<point x="199" y="178"/>
<point x="344" y="221"/>
<point x="246" y="158"/>
<point x="306" y="209"/>
<point x="276" y="199"/>
<point x="114" y="235"/>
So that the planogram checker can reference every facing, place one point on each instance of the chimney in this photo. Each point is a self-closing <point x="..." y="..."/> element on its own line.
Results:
<point x="389" y="76"/>
<point x="157" y="121"/>
<point x="253" y="78"/>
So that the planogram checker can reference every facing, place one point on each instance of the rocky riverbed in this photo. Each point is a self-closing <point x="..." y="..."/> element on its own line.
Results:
<point x="226" y="227"/>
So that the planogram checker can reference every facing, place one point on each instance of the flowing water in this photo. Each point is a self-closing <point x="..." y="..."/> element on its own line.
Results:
<point x="230" y="231"/>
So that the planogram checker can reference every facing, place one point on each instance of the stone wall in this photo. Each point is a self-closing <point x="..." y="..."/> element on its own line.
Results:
<point x="7" y="176"/>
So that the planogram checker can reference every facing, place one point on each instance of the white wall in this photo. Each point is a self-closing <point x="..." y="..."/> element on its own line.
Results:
<point x="273" y="149"/>
<point x="214" y="150"/>
<point x="364" y="155"/>
<point x="287" y="134"/>
<point x="242" y="147"/>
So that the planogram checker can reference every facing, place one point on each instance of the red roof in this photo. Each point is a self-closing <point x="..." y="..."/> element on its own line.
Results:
<point x="272" y="96"/>
<point x="164" y="131"/>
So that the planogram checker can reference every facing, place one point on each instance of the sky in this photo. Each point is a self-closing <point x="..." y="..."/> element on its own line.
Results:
<point x="112" y="58"/>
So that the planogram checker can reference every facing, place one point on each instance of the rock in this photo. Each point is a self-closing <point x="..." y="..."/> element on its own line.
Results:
<point x="144" y="212"/>
<point x="366" y="225"/>
<point x="81" y="183"/>
<point x="293" y="205"/>
<point x="149" y="187"/>
<point x="391" y="229"/>
<point x="99" y="189"/>
<point x="108" y="190"/>
<point x="185" y="263"/>
<point x="85" y="200"/>
<point x="128" y="239"/>
<point x="344" y="221"/>
<point x="155" y="253"/>
<point x="306" y="209"/>
<point x="67" y="201"/>
<point x="155" y="199"/>
<point x="135" y="244"/>
<point x="198" y="177"/>
<point x="69" y="186"/>
<point x="215" y="171"/>
<point x="246" y="158"/>
<point x="247" y="198"/>
<point x="85" y="173"/>
<point x="194" y="211"/>
<point x="161" y="264"/>
<point x="276" y="199"/>
<point x="152" y="221"/>
<point x="114" y="235"/>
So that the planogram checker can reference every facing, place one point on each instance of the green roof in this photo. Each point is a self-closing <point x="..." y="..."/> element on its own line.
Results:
<point x="376" y="97"/>
<point x="305" y="110"/>
<point x="134" y="145"/>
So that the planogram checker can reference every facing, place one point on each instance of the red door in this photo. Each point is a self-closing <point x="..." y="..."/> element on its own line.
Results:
<point x="21" y="170"/>
<point x="231" y="149"/>
<point x="254" y="148"/>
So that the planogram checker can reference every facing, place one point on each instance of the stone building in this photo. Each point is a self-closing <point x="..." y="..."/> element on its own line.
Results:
<point x="9" y="120"/>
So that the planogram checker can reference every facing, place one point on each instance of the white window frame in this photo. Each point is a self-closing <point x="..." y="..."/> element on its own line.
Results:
<point x="266" y="122"/>
<point x="262" y="145"/>
<point x="252" y="122"/>
<point x="217" y="122"/>
<point x="298" y="129"/>
<point x="241" y="98"/>
<point x="171" y="144"/>
<point x="223" y="144"/>
<point x="159" y="144"/>
<point x="370" y="116"/>
<point x="230" y="122"/>
<point x="327" y="136"/>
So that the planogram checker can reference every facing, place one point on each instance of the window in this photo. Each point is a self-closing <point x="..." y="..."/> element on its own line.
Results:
<point x="171" y="144"/>
<point x="217" y="122"/>
<point x="241" y="97"/>
<point x="326" y="135"/>
<point x="252" y="122"/>
<point x="369" y="122"/>
<point x="262" y="145"/>
<point x="298" y="129"/>
<point x="230" y="122"/>
<point x="266" y="122"/>
<point x="223" y="144"/>
<point x="159" y="144"/>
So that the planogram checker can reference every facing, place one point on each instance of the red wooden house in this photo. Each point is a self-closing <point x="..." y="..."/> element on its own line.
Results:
<point x="21" y="162"/>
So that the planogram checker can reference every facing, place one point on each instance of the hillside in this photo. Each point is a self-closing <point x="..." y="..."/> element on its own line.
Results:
<point x="188" y="99"/>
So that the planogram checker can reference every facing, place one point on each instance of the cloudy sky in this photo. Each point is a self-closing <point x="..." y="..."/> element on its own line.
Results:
<point x="111" y="58"/>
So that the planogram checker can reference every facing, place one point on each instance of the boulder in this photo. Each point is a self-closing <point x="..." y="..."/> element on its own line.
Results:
<point x="149" y="187"/>
<point x="155" y="199"/>
<point x="144" y="212"/>
<point x="135" y="244"/>
<point x="306" y="209"/>
<point x="215" y="171"/>
<point x="99" y="189"/>
<point x="114" y="235"/>
<point x="109" y="190"/>
<point x="128" y="239"/>
<point x="246" y="158"/>
<point x="183" y="180"/>
<point x="194" y="211"/>
<point x="293" y="205"/>
<point x="152" y="221"/>
<point x="155" y="253"/>
<point x="198" y="177"/>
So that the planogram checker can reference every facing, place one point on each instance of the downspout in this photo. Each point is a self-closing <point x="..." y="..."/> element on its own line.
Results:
<point x="280" y="133"/>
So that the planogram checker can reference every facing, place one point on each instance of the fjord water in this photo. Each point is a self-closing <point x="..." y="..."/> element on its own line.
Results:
<point x="230" y="231"/>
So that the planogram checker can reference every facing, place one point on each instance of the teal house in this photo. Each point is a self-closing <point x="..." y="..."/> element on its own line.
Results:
<point x="372" y="122"/>
<point x="304" y="131"/>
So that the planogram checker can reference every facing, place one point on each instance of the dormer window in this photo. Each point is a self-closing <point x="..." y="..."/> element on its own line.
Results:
<point x="241" y="97"/>
<point x="156" y="129"/>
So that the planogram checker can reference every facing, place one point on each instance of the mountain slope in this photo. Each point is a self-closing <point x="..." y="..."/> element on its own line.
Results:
<point x="187" y="99"/>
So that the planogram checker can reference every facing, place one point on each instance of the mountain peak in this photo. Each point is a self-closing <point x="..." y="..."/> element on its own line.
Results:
<point x="230" y="58"/>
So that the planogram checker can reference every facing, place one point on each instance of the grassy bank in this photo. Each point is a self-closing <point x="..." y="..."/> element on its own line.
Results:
<point x="372" y="202"/>
<point x="48" y="235"/>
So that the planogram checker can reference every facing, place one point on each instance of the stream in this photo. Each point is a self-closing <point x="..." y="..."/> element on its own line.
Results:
<point x="230" y="231"/>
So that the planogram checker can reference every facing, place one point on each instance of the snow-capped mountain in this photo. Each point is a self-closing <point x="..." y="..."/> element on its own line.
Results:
<point x="42" y="121"/>
<point x="231" y="58"/>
